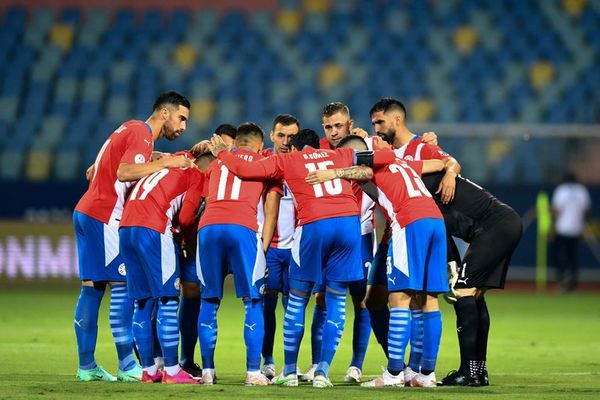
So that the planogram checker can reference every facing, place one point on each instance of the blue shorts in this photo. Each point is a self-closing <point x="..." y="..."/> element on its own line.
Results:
<point x="378" y="272"/>
<point x="98" y="250"/>
<point x="278" y="265"/>
<point x="417" y="257"/>
<point x="152" y="261"/>
<point x="229" y="248"/>
<point x="359" y="288"/>
<point x="327" y="250"/>
<point x="188" y="269"/>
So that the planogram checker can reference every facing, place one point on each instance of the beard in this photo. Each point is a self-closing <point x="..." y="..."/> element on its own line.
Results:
<point x="387" y="136"/>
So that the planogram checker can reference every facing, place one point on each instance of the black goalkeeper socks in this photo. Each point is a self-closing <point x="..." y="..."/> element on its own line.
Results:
<point x="467" y="326"/>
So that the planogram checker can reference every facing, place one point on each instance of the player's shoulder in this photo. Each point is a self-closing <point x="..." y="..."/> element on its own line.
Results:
<point x="324" y="143"/>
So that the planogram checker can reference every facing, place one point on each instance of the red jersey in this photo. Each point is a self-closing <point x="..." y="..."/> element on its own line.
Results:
<point x="313" y="202"/>
<point x="130" y="143"/>
<point x="417" y="150"/>
<point x="367" y="205"/>
<point x="402" y="193"/>
<point x="231" y="200"/>
<point x="156" y="198"/>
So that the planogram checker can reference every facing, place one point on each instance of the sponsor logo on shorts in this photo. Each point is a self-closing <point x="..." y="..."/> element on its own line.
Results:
<point x="139" y="159"/>
<point x="368" y="265"/>
<point x="177" y="283"/>
<point x="122" y="270"/>
<point x="262" y="289"/>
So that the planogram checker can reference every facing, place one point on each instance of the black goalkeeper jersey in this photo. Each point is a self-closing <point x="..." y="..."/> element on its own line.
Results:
<point x="472" y="207"/>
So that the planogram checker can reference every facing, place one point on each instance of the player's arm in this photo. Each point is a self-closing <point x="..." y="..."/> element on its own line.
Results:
<point x="259" y="170"/>
<point x="359" y="173"/>
<point x="430" y="166"/>
<point x="89" y="173"/>
<point x="271" y="214"/>
<point x="448" y="183"/>
<point x="189" y="209"/>
<point x="132" y="172"/>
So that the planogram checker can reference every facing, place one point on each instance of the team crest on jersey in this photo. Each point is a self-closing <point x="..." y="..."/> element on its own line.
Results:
<point x="122" y="270"/>
<point x="177" y="283"/>
<point x="139" y="159"/>
<point x="409" y="158"/>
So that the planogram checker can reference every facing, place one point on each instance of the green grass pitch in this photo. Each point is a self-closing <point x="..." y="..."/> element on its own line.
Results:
<point x="541" y="347"/>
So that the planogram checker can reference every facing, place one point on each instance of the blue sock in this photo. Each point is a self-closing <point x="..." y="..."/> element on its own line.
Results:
<point x="270" y="304"/>
<point x="360" y="336"/>
<point x="416" y="340"/>
<point x="432" y="329"/>
<point x="143" y="331"/>
<point x="398" y="337"/>
<point x="167" y="329"/>
<point x="121" y="317"/>
<point x="380" y="323"/>
<point x="293" y="324"/>
<point x="335" y="302"/>
<point x="188" y="327"/>
<point x="207" y="331"/>
<point x="86" y="325"/>
<point x="316" y="332"/>
<point x="254" y="332"/>
<point x="156" y="350"/>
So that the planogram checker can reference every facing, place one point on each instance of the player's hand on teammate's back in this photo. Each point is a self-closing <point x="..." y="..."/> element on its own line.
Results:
<point x="217" y="145"/>
<point x="447" y="187"/>
<point x="319" y="176"/>
<point x="177" y="162"/>
<point x="200" y="147"/>
<point x="430" y="138"/>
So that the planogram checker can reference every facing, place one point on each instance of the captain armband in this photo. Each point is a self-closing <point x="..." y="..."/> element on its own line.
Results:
<point x="364" y="157"/>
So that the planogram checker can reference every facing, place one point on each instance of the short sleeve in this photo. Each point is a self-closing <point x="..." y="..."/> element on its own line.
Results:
<point x="417" y="166"/>
<point x="432" y="152"/>
<point x="347" y="157"/>
<point x="139" y="145"/>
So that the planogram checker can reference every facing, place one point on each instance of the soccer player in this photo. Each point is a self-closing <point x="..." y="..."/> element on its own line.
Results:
<point x="279" y="252"/>
<point x="416" y="259"/>
<point x="326" y="244"/>
<point x="122" y="159"/>
<point x="230" y="240"/>
<point x="492" y="228"/>
<point x="150" y="253"/>
<point x="189" y="306"/>
<point x="388" y="117"/>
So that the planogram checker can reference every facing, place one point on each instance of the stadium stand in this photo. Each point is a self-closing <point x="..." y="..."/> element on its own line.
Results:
<point x="70" y="75"/>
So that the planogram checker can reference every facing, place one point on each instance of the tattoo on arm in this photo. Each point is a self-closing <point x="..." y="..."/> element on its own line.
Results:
<point x="359" y="173"/>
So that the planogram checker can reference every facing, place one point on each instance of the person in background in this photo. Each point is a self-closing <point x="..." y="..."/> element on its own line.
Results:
<point x="570" y="204"/>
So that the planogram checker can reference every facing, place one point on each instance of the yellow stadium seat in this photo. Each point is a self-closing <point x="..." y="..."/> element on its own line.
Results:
<point x="316" y="6"/>
<point x="289" y="21"/>
<point x="498" y="149"/>
<point x="574" y="7"/>
<point x="62" y="36"/>
<point x="37" y="167"/>
<point x="465" y="38"/>
<point x="540" y="74"/>
<point x="185" y="56"/>
<point x="421" y="110"/>
<point x="331" y="74"/>
<point x="202" y="110"/>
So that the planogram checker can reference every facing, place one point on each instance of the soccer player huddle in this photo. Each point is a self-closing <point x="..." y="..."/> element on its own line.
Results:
<point x="164" y="230"/>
